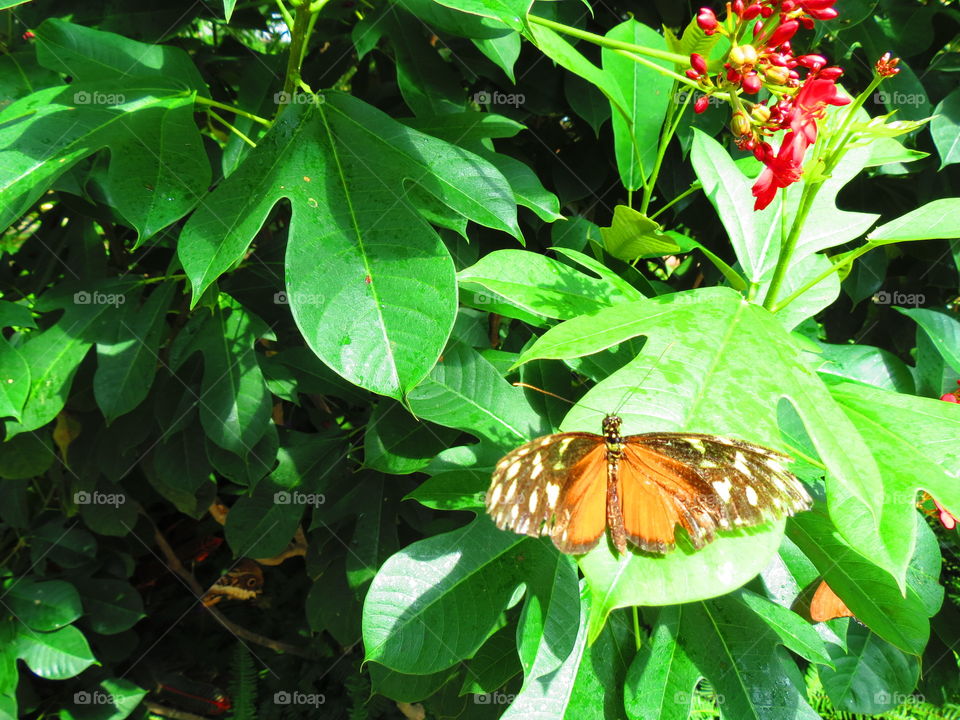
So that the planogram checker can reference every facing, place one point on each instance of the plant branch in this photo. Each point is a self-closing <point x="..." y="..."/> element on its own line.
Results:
<point x="612" y="44"/>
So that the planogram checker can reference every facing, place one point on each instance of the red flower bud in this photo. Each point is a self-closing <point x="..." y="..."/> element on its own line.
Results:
<point x="787" y="6"/>
<point x="831" y="73"/>
<point x="738" y="7"/>
<point x="814" y="62"/>
<point x="699" y="64"/>
<point x="707" y="20"/>
<point x="766" y="12"/>
<point x="757" y="28"/>
<point x="752" y="11"/>
<point x="692" y="74"/>
<point x="887" y="66"/>
<point x="751" y="83"/>
<point x="950" y="397"/>
<point x="701" y="104"/>
<point x="783" y="33"/>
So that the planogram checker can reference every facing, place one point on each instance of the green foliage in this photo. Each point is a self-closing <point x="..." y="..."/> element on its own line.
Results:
<point x="273" y="274"/>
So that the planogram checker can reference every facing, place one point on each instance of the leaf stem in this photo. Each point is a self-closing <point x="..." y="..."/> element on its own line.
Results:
<point x="230" y="108"/>
<point x="610" y="43"/>
<point x="847" y="259"/>
<point x="231" y="128"/>
<point x="670" y="125"/>
<point x="299" y="37"/>
<point x="694" y="187"/>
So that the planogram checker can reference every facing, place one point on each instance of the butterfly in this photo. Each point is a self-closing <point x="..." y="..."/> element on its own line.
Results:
<point x="826" y="605"/>
<point x="574" y="486"/>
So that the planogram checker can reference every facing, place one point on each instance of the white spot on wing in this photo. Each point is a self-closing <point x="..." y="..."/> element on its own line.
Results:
<point x="740" y="463"/>
<point x="512" y="470"/>
<point x="553" y="492"/>
<point x="751" y="495"/>
<point x="533" y="500"/>
<point x="510" y="491"/>
<point x="495" y="494"/>
<point x="723" y="489"/>
<point x="697" y="444"/>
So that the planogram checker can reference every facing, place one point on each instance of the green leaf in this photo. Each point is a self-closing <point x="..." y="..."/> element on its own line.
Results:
<point x="597" y="690"/>
<point x="86" y="54"/>
<point x="794" y="632"/>
<point x="502" y="52"/>
<point x="936" y="219"/>
<point x="736" y="651"/>
<point x="565" y="55"/>
<point x="945" y="129"/>
<point x="117" y="699"/>
<point x="399" y="444"/>
<point x="26" y="455"/>
<point x="54" y="354"/>
<point x="871" y="676"/>
<point x="551" y="695"/>
<point x="943" y="331"/>
<point x="466" y="392"/>
<point x="662" y="677"/>
<point x="453" y="490"/>
<point x="494" y="664"/>
<point x="540" y="285"/>
<point x="14" y="381"/>
<point x="724" y="565"/>
<point x="633" y="235"/>
<point x="81" y="119"/>
<point x="911" y="440"/>
<point x="512" y="13"/>
<point x="56" y="655"/>
<point x="127" y="364"/>
<point x="263" y="524"/>
<point x="866" y="364"/>
<point x="356" y="307"/>
<point x="869" y="592"/>
<point x="646" y="96"/>
<point x="110" y="606"/>
<point x="234" y="400"/>
<point x="42" y="605"/>
<point x="550" y="621"/>
<point x="181" y="470"/>
<point x="729" y="193"/>
<point x="461" y="579"/>
<point x="407" y="688"/>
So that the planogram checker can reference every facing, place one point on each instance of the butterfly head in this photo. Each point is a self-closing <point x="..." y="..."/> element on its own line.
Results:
<point x="611" y="428"/>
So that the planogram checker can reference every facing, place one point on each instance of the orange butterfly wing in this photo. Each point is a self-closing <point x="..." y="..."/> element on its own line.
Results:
<point x="554" y="485"/>
<point x="826" y="605"/>
<point x="703" y="483"/>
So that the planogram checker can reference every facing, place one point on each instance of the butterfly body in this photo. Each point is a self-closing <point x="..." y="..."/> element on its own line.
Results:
<point x="554" y="485"/>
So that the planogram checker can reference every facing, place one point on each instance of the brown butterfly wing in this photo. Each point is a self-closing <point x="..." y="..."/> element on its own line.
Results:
<point x="554" y="485"/>
<point x="826" y="605"/>
<point x="704" y="483"/>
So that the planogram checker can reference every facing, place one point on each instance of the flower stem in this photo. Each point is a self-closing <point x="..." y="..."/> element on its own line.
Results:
<point x="788" y="246"/>
<point x="610" y="43"/>
<point x="848" y="259"/>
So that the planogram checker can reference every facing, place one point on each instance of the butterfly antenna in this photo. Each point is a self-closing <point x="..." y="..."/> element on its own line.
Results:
<point x="632" y="391"/>
<point x="545" y="392"/>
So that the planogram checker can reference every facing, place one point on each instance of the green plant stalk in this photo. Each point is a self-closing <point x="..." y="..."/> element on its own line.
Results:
<point x="299" y="35"/>
<point x="231" y="128"/>
<point x="229" y="108"/>
<point x="788" y="246"/>
<point x="694" y="187"/>
<point x="612" y="44"/>
<point x="835" y="267"/>
<point x="670" y="125"/>
<point x="833" y="153"/>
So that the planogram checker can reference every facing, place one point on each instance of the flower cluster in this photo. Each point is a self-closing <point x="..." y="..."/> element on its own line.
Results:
<point x="946" y="518"/>
<point x="801" y="86"/>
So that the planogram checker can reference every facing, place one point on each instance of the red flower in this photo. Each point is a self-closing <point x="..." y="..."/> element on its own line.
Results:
<point x="946" y="518"/>
<point x="800" y="116"/>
